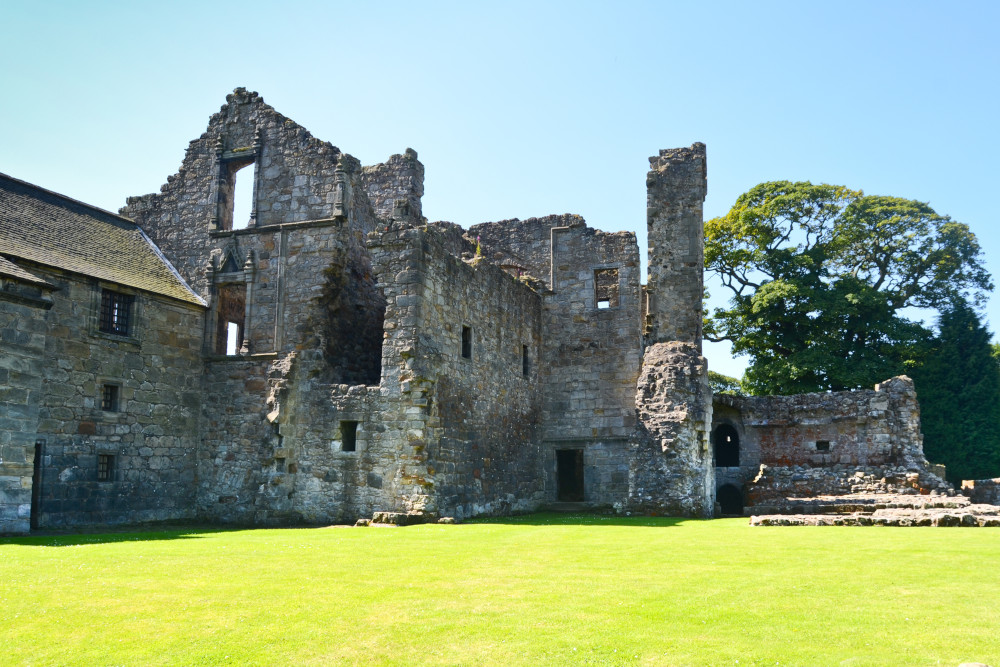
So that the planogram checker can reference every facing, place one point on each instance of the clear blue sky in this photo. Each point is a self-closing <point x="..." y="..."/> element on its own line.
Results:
<point x="525" y="108"/>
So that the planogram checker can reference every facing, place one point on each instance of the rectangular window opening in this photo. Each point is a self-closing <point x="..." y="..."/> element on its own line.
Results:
<point x="606" y="288"/>
<point x="116" y="312"/>
<point x="105" y="467"/>
<point x="349" y="436"/>
<point x="109" y="397"/>
<point x="236" y="195"/>
<point x="822" y="445"/>
<point x="231" y="313"/>
<point x="525" y="361"/>
<point x="467" y="342"/>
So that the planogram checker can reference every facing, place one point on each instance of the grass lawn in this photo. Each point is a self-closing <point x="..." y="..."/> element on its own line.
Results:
<point x="541" y="589"/>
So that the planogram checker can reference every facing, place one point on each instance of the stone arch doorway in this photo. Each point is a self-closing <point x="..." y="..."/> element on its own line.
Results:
<point x="730" y="499"/>
<point x="726" y="443"/>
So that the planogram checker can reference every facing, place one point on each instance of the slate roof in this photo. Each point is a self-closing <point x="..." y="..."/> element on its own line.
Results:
<point x="8" y="268"/>
<point x="53" y="230"/>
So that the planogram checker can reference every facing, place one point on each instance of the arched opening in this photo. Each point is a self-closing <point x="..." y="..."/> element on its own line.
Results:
<point x="730" y="499"/>
<point x="726" y="442"/>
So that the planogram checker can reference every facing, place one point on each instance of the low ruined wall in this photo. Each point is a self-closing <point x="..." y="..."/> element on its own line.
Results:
<point x="985" y="491"/>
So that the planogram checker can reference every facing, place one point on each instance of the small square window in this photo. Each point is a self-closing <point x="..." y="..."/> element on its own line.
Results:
<point x="116" y="312"/>
<point x="109" y="397"/>
<point x="105" y="467"/>
<point x="606" y="288"/>
<point x="349" y="436"/>
<point x="822" y="445"/>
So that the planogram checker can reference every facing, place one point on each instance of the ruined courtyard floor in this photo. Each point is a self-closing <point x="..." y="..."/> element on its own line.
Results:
<point x="542" y="589"/>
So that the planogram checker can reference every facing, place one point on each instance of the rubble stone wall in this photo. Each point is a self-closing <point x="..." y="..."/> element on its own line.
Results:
<point x="154" y="433"/>
<point x="23" y="330"/>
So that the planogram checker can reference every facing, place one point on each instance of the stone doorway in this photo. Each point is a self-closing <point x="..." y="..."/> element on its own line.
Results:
<point x="730" y="500"/>
<point x="569" y="475"/>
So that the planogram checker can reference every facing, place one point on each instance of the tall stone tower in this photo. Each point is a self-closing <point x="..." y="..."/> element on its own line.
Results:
<point x="675" y="187"/>
<point x="673" y="397"/>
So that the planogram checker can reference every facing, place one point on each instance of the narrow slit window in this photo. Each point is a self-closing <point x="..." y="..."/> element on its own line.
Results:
<point x="349" y="436"/>
<point x="105" y="467"/>
<point x="232" y="338"/>
<point x="467" y="342"/>
<point x="606" y="288"/>
<point x="525" y="361"/>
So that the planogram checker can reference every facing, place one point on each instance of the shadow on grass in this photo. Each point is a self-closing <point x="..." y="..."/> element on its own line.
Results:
<point x="582" y="519"/>
<point x="112" y="534"/>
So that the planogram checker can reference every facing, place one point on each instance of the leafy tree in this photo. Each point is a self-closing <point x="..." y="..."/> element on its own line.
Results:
<point x="820" y="276"/>
<point x="959" y="388"/>
<point x="724" y="384"/>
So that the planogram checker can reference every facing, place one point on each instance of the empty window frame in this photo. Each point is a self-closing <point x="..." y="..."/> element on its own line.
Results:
<point x="349" y="436"/>
<point x="525" y="361"/>
<point x="110" y="394"/>
<point x="231" y="312"/>
<point x="606" y="288"/>
<point x="236" y="194"/>
<point x="822" y="445"/>
<point x="116" y="312"/>
<point x="105" y="467"/>
<point x="467" y="342"/>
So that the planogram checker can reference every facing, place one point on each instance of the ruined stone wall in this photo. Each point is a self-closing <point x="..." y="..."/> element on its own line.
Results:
<point x="23" y="330"/>
<point x="676" y="188"/>
<point x="727" y="411"/>
<point x="672" y="471"/>
<point x="836" y="443"/>
<point x="398" y="179"/>
<point x="153" y="434"/>
<point x="481" y="431"/>
<point x="522" y="245"/>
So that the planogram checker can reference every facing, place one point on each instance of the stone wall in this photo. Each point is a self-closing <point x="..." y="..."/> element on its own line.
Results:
<point x="672" y="471"/>
<point x="23" y="330"/>
<point x="985" y="491"/>
<point x="153" y="435"/>
<point x="676" y="188"/>
<point x="399" y="181"/>
<point x="524" y="247"/>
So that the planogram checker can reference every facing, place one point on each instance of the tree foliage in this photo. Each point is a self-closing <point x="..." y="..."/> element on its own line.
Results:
<point x="820" y="277"/>
<point x="959" y="388"/>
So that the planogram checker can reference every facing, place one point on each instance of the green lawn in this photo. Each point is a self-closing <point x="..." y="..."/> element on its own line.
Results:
<point x="534" y="590"/>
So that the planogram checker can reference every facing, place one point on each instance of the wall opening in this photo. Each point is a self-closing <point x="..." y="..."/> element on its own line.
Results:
<point x="467" y="342"/>
<point x="230" y="315"/>
<point x="569" y="475"/>
<point x="606" y="288"/>
<point x="236" y="194"/>
<point x="730" y="499"/>
<point x="349" y="436"/>
<point x="36" y="485"/>
<point x="726" y="441"/>
<point x="822" y="445"/>
<point x="525" y="361"/>
<point x="105" y="467"/>
<point x="116" y="312"/>
<point x="351" y="311"/>
<point x="109" y="397"/>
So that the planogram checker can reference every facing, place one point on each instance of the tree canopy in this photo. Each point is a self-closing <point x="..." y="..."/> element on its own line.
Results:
<point x="959" y="388"/>
<point x="821" y="277"/>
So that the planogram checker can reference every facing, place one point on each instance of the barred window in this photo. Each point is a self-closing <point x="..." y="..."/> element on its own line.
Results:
<point x="105" y="467"/>
<point x="109" y="398"/>
<point x="116" y="312"/>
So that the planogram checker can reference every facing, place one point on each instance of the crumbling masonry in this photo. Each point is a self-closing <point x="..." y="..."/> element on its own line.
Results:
<point x="335" y="355"/>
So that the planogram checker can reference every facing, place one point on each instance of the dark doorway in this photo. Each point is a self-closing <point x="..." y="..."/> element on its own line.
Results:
<point x="730" y="499"/>
<point x="726" y="443"/>
<point x="36" y="486"/>
<point x="569" y="475"/>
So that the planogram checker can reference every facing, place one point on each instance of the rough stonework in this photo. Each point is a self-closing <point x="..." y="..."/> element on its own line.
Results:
<point x="333" y="357"/>
<point x="983" y="491"/>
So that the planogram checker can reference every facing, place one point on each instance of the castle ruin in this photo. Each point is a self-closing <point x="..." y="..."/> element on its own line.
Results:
<point x="333" y="355"/>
